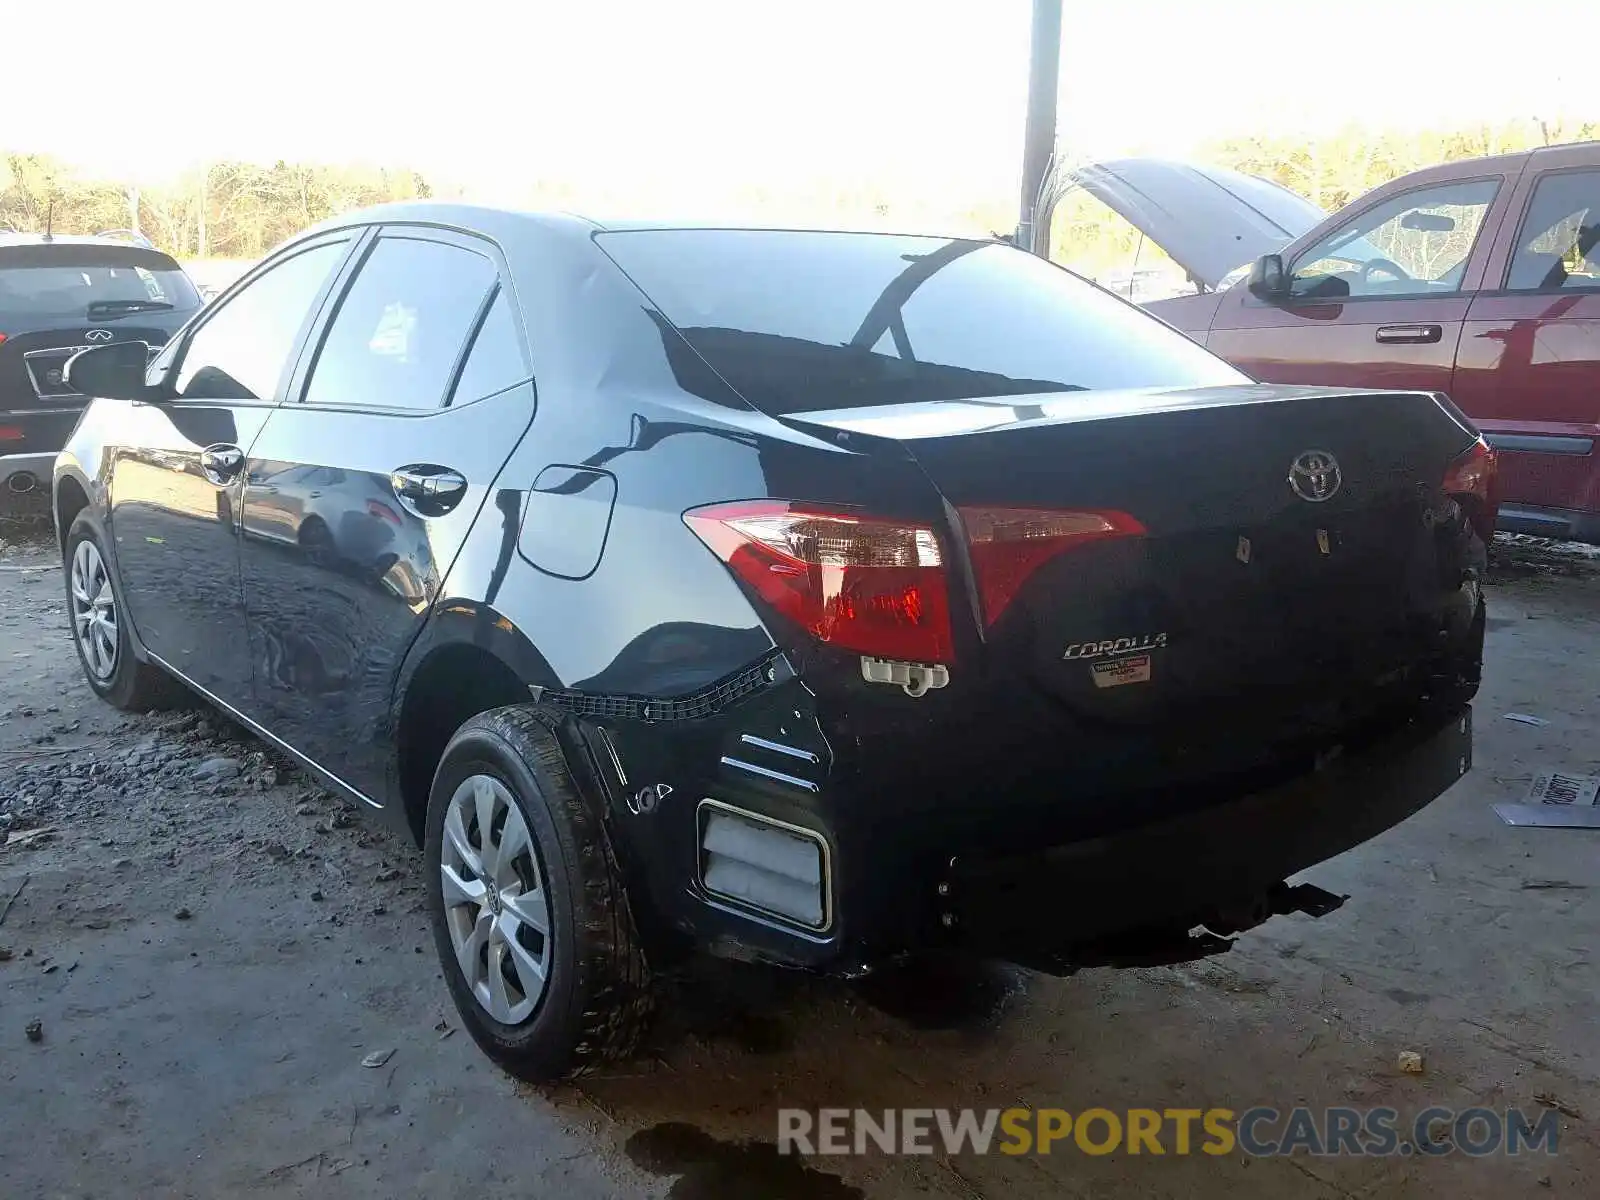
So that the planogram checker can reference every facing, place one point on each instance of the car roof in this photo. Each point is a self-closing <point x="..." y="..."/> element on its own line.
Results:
<point x="70" y="239"/>
<point x="493" y="220"/>
<point x="1565" y="147"/>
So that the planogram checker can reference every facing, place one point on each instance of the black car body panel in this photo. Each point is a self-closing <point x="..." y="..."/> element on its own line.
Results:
<point x="58" y="295"/>
<point x="309" y="557"/>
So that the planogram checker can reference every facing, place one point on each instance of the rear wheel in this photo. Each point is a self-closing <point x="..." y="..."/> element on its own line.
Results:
<point x="100" y="628"/>
<point x="529" y="911"/>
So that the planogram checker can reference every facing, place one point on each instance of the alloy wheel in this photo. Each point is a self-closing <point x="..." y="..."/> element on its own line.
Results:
<point x="495" y="903"/>
<point x="94" y="611"/>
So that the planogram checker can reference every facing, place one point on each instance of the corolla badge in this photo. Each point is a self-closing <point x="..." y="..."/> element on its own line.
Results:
<point x="1315" y="476"/>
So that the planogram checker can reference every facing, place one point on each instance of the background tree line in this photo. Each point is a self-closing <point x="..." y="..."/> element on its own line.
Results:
<point x="242" y="209"/>
<point x="225" y="210"/>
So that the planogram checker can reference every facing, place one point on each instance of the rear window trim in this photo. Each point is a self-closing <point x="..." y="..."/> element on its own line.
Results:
<point x="87" y="254"/>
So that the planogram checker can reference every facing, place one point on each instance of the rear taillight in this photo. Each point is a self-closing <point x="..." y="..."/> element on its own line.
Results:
<point x="10" y="433"/>
<point x="875" y="586"/>
<point x="1471" y="480"/>
<point x="1010" y="544"/>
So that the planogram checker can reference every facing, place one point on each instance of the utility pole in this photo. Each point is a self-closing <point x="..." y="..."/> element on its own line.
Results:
<point x="1039" y="138"/>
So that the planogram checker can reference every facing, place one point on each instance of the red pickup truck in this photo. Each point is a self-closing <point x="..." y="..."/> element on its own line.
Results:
<point x="1479" y="278"/>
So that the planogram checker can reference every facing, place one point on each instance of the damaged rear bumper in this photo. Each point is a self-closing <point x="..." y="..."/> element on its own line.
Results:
<point x="1136" y="897"/>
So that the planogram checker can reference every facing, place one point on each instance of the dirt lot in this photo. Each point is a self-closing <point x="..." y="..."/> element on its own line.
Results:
<point x="212" y="945"/>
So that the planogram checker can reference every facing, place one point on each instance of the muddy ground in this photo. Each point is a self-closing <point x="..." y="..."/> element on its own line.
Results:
<point x="211" y="946"/>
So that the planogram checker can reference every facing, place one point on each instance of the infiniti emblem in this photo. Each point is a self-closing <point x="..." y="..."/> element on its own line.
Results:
<point x="1315" y="476"/>
<point x="98" y="335"/>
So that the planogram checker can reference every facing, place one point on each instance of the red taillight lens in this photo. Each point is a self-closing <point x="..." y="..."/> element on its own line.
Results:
<point x="1010" y="544"/>
<point x="10" y="433"/>
<point x="860" y="583"/>
<point x="1472" y="481"/>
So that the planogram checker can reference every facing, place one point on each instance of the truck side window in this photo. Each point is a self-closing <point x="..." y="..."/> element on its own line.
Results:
<point x="1415" y="244"/>
<point x="1558" y="247"/>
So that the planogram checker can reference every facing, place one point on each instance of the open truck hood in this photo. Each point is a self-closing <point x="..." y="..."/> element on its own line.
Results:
<point x="1211" y="220"/>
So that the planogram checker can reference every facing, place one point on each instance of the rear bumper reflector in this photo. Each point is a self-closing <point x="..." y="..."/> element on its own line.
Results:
<point x="766" y="865"/>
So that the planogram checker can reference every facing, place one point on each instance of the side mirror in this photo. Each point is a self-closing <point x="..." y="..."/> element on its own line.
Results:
<point x="1268" y="280"/>
<point x="115" y="371"/>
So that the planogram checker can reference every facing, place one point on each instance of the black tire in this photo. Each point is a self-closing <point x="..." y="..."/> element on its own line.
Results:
<point x="316" y="543"/>
<point x="133" y="685"/>
<point x="598" y="1000"/>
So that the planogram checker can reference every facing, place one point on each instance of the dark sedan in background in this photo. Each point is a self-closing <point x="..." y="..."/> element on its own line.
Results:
<point x="807" y="597"/>
<point x="59" y="294"/>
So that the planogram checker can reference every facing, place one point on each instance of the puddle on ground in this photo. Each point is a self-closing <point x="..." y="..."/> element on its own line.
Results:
<point x="711" y="1169"/>
<point x="943" y="993"/>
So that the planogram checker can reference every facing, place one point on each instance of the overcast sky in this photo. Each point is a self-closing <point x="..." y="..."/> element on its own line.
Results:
<point x="689" y="95"/>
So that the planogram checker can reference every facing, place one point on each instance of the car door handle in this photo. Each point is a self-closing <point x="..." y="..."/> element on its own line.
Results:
<point x="1410" y="335"/>
<point x="433" y="489"/>
<point x="221" y="463"/>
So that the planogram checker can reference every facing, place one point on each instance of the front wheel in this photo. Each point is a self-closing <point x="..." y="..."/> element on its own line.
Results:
<point x="529" y="912"/>
<point x="100" y="627"/>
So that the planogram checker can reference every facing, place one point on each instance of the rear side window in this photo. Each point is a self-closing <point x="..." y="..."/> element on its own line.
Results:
<point x="90" y="282"/>
<point x="400" y="329"/>
<point x="1558" y="248"/>
<point x="242" y="349"/>
<point x="495" y="361"/>
<point x="800" y="321"/>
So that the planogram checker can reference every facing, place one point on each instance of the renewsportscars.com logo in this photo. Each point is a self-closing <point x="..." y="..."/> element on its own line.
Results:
<point x="1261" y="1132"/>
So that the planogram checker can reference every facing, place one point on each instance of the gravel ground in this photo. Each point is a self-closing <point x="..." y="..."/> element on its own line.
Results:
<point x="212" y="947"/>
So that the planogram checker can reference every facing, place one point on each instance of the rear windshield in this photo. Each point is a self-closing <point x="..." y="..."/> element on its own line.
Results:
<point x="799" y="322"/>
<point x="64" y="279"/>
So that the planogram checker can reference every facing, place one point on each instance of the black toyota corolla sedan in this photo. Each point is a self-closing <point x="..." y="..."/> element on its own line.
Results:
<point x="814" y="598"/>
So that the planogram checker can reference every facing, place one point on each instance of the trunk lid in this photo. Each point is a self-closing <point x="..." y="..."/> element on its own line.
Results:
<point x="1239" y="593"/>
<point x="1211" y="220"/>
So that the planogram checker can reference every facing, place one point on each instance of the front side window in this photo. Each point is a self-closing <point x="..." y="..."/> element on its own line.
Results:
<point x="1558" y="248"/>
<point x="242" y="350"/>
<point x="802" y="322"/>
<point x="398" y="333"/>
<point x="1416" y="244"/>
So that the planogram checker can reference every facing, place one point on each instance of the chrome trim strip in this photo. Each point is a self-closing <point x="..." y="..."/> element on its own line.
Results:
<point x="768" y="773"/>
<point x="744" y="908"/>
<point x="750" y="739"/>
<point x="264" y="734"/>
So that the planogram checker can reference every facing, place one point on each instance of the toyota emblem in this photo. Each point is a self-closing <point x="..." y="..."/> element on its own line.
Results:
<point x="98" y="335"/>
<point x="1315" y="476"/>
